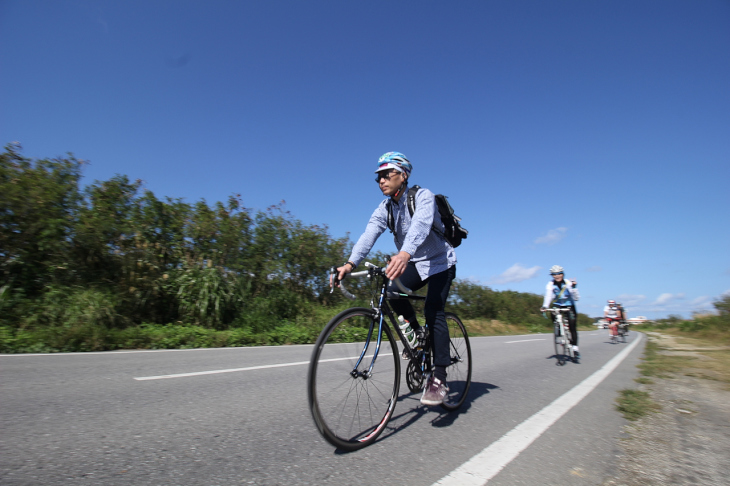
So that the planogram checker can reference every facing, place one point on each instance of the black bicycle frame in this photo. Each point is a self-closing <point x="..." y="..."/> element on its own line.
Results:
<point x="381" y="311"/>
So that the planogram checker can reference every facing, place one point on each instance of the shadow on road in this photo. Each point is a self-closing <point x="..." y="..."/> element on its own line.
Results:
<point x="444" y="417"/>
<point x="560" y="360"/>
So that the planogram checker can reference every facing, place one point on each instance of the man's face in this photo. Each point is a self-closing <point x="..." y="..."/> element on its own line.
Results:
<point x="558" y="277"/>
<point x="389" y="181"/>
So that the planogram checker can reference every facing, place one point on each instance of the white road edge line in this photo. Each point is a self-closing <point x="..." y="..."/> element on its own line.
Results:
<point x="485" y="465"/>
<point x="233" y="370"/>
<point x="523" y="341"/>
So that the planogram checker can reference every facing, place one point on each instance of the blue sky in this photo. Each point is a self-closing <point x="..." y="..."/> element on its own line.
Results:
<point x="590" y="134"/>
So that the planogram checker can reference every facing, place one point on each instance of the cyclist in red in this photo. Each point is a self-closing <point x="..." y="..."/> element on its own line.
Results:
<point x="613" y="315"/>
<point x="424" y="257"/>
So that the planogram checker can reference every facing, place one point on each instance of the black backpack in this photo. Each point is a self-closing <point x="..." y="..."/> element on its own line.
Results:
<point x="453" y="233"/>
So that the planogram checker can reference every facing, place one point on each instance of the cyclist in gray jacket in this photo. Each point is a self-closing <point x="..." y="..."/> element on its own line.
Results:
<point x="424" y="257"/>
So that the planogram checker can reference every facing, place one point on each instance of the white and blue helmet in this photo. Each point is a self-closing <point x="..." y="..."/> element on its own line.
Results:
<point x="556" y="270"/>
<point x="394" y="160"/>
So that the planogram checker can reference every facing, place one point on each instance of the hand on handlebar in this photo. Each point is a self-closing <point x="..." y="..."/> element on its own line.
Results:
<point x="341" y="273"/>
<point x="397" y="265"/>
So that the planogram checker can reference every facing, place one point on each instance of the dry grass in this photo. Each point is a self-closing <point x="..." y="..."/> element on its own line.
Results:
<point x="703" y="357"/>
<point x="483" y="327"/>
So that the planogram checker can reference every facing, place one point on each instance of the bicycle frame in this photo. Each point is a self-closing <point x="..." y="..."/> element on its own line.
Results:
<point x="560" y="315"/>
<point x="381" y="310"/>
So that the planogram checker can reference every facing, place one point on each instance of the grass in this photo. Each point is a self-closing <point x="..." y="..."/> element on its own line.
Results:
<point x="661" y="365"/>
<point x="493" y="327"/>
<point x="634" y="404"/>
<point x="484" y="327"/>
<point x="703" y="355"/>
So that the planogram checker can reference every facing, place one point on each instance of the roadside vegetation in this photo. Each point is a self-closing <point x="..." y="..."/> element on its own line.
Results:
<point x="112" y="266"/>
<point x="698" y="347"/>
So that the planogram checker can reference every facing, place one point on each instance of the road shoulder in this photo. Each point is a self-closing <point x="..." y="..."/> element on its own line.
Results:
<point x="687" y="441"/>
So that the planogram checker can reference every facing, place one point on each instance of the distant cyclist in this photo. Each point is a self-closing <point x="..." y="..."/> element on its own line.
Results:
<point x="563" y="293"/>
<point x="621" y="314"/>
<point x="613" y="315"/>
<point x="424" y="257"/>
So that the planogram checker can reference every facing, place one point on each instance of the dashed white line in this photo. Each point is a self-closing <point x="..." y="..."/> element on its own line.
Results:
<point x="250" y="368"/>
<point x="524" y="341"/>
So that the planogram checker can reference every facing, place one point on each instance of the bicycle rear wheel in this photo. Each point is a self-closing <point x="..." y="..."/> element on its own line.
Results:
<point x="351" y="407"/>
<point x="459" y="372"/>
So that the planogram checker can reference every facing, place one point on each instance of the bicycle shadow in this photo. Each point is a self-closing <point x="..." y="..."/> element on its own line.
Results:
<point x="445" y="417"/>
<point x="417" y="411"/>
<point x="562" y="359"/>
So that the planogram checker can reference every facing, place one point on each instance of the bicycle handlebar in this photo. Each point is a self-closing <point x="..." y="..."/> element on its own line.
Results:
<point x="372" y="270"/>
<point x="555" y="310"/>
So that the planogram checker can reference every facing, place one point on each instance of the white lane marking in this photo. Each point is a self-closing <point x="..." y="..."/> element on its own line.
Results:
<point x="250" y="368"/>
<point x="135" y="351"/>
<point x="485" y="465"/>
<point x="523" y="341"/>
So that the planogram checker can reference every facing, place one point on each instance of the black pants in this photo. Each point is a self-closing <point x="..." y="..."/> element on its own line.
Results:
<point x="572" y="325"/>
<point x="436" y="295"/>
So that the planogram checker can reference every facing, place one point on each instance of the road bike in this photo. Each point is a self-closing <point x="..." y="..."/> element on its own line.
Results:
<point x="563" y="348"/>
<point x="623" y="331"/>
<point x="354" y="372"/>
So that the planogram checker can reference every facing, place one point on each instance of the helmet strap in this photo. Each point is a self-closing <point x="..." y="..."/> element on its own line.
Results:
<point x="400" y="189"/>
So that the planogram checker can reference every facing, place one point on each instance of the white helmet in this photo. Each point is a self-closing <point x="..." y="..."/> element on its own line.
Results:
<point x="555" y="269"/>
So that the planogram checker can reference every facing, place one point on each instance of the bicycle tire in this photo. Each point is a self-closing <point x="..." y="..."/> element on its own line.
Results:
<point x="459" y="372"/>
<point x="568" y="346"/>
<point x="559" y="344"/>
<point x="350" y="409"/>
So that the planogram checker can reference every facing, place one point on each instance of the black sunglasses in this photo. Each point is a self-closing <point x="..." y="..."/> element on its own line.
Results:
<point x="385" y="175"/>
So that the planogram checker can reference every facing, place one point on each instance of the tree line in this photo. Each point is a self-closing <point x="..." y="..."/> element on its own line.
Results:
<point x="111" y="256"/>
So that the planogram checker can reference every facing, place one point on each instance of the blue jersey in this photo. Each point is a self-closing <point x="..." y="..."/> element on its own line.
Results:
<point x="562" y="296"/>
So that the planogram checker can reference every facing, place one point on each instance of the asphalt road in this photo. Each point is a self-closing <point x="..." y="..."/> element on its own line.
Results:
<point x="111" y="418"/>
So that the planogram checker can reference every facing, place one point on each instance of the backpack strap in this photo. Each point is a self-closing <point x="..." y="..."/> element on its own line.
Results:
<point x="560" y="295"/>
<point x="410" y="202"/>
<point x="411" y="199"/>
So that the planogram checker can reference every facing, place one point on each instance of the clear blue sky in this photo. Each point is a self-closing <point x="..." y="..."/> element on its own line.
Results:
<point x="590" y="134"/>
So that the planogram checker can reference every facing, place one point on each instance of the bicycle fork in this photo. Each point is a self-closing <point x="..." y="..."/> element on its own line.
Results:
<point x="366" y="374"/>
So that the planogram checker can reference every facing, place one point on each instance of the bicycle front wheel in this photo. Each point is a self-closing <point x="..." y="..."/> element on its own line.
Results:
<point x="560" y="345"/>
<point x="568" y="346"/>
<point x="350" y="405"/>
<point x="459" y="371"/>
